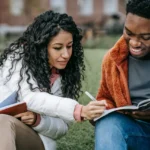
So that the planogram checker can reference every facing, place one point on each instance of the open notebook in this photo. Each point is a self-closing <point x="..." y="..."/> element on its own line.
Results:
<point x="142" y="105"/>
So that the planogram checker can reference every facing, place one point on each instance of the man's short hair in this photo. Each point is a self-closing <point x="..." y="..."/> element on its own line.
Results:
<point x="139" y="7"/>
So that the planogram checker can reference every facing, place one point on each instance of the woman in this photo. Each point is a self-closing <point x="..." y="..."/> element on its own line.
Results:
<point x="45" y="66"/>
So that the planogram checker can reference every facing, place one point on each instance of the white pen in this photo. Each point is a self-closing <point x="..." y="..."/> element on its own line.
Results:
<point x="90" y="96"/>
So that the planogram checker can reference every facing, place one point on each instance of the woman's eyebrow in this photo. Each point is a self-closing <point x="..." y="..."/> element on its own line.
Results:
<point x="70" y="42"/>
<point x="57" y="44"/>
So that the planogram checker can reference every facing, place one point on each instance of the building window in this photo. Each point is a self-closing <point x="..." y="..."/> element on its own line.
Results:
<point x="58" y="6"/>
<point x="85" y="7"/>
<point x="110" y="7"/>
<point x="16" y="7"/>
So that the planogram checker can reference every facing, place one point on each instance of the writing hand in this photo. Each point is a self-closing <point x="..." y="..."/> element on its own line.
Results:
<point x="93" y="109"/>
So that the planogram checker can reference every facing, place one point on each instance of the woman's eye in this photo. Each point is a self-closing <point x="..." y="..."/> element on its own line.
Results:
<point x="57" y="48"/>
<point x="69" y="46"/>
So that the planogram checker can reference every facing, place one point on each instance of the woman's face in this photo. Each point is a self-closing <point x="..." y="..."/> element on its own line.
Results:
<point x="60" y="49"/>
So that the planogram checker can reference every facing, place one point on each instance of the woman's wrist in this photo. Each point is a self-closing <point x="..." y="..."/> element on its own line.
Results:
<point x="83" y="112"/>
<point x="77" y="112"/>
<point x="37" y="120"/>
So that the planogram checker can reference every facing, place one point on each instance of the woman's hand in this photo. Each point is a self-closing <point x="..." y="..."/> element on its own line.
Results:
<point x="141" y="115"/>
<point x="93" y="109"/>
<point x="28" y="117"/>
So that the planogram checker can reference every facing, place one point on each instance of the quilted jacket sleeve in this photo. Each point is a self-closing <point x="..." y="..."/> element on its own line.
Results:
<point x="39" y="102"/>
<point x="51" y="127"/>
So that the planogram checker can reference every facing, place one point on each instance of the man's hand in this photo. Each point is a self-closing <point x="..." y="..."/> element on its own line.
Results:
<point x="142" y="115"/>
<point x="93" y="109"/>
<point x="28" y="117"/>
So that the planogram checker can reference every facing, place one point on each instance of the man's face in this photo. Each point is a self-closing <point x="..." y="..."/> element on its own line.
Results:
<point x="137" y="35"/>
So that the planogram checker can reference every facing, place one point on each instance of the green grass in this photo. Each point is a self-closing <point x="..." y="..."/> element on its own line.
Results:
<point x="81" y="135"/>
<point x="104" y="42"/>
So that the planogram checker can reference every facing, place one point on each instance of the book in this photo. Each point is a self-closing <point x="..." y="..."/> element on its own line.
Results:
<point x="14" y="109"/>
<point x="10" y="106"/>
<point x="11" y="99"/>
<point x="142" y="105"/>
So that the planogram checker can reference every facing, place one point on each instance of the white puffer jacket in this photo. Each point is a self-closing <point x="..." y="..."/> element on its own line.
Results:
<point x="56" y="112"/>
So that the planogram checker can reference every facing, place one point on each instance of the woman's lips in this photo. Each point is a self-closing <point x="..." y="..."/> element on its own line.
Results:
<point x="63" y="62"/>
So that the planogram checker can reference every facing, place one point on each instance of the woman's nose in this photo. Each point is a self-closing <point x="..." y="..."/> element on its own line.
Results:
<point x="65" y="53"/>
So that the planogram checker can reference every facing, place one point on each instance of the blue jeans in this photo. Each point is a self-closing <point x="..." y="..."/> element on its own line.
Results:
<point x="117" y="131"/>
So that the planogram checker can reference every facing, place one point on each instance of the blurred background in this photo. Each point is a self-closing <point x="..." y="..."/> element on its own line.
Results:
<point x="97" y="18"/>
<point x="101" y="22"/>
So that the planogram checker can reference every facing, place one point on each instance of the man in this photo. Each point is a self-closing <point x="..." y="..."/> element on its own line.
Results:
<point x="126" y="81"/>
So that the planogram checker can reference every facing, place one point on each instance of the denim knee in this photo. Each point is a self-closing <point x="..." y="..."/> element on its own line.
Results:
<point x="109" y="132"/>
<point x="111" y="122"/>
<point x="120" y="132"/>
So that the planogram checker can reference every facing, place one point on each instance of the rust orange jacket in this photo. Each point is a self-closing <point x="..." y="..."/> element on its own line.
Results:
<point x="114" y="82"/>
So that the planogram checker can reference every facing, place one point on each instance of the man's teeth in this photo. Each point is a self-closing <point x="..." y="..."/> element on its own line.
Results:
<point x="136" y="50"/>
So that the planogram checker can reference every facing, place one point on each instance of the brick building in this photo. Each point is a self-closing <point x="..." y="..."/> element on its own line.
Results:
<point x="15" y="15"/>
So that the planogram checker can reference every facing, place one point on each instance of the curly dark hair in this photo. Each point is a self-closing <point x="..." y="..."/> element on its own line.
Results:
<point x="139" y="7"/>
<point x="31" y="48"/>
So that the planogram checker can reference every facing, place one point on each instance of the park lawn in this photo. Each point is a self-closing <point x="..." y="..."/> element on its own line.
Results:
<point x="81" y="135"/>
